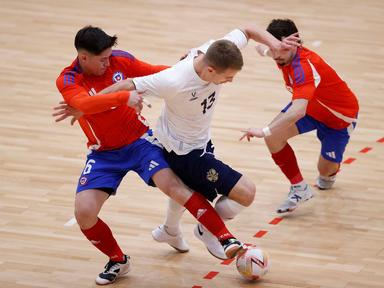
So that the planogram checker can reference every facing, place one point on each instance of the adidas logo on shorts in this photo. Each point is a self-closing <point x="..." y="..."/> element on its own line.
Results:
<point x="152" y="165"/>
<point x="331" y="154"/>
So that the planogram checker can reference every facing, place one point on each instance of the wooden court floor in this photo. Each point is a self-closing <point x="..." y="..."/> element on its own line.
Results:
<point x="336" y="240"/>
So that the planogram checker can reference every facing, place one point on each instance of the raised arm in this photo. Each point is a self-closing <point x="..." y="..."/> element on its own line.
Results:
<point x="262" y="36"/>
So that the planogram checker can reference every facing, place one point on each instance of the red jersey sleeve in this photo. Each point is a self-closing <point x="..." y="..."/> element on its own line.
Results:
<point x="135" y="67"/>
<point x="77" y="96"/>
<point x="303" y="80"/>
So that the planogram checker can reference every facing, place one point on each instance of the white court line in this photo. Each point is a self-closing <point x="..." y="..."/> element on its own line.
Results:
<point x="71" y="222"/>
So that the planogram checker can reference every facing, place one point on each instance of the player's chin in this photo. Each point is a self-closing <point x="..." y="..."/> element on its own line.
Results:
<point x="101" y="72"/>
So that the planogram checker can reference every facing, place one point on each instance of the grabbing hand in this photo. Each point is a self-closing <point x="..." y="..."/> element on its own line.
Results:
<point x="285" y="45"/>
<point x="292" y="40"/>
<point x="252" y="132"/>
<point x="135" y="101"/>
<point x="64" y="111"/>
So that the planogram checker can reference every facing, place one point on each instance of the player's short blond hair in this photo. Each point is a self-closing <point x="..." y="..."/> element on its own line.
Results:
<point x="224" y="54"/>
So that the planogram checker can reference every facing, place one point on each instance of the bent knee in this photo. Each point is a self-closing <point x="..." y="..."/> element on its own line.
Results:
<point x="250" y="193"/>
<point x="246" y="192"/>
<point x="86" y="216"/>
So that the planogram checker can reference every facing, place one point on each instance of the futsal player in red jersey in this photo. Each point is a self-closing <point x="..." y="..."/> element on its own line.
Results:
<point x="120" y="141"/>
<point x="321" y="101"/>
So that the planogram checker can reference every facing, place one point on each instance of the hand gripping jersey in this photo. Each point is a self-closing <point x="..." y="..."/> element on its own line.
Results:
<point x="330" y="99"/>
<point x="184" y="124"/>
<point x="108" y="122"/>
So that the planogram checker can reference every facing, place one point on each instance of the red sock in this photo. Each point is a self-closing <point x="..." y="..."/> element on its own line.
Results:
<point x="287" y="162"/>
<point x="101" y="236"/>
<point x="207" y="215"/>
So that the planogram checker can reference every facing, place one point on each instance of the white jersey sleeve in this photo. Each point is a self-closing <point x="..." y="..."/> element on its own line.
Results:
<point x="160" y="84"/>
<point x="238" y="37"/>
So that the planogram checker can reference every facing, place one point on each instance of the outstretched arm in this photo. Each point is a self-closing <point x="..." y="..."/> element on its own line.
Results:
<point x="126" y="85"/>
<point x="291" y="116"/>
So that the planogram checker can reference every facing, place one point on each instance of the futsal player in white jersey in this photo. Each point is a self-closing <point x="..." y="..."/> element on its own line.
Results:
<point x="190" y="90"/>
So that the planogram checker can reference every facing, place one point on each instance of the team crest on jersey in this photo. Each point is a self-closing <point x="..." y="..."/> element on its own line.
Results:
<point x="212" y="175"/>
<point x="117" y="77"/>
<point x="83" y="180"/>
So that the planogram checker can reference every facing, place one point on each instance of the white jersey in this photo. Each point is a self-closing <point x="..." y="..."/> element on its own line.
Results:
<point x="184" y="124"/>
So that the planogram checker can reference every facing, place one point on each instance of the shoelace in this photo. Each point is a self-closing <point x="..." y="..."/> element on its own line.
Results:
<point x="111" y="265"/>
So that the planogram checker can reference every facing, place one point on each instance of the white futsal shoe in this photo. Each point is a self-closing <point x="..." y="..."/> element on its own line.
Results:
<point x="177" y="242"/>
<point x="325" y="183"/>
<point x="113" y="270"/>
<point x="296" y="196"/>
<point x="210" y="241"/>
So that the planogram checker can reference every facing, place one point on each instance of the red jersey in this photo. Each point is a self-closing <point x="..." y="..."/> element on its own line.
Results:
<point x="330" y="99"/>
<point x="108" y="122"/>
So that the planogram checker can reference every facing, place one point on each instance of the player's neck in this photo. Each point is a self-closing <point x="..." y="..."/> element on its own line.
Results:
<point x="199" y="65"/>
<point x="292" y="56"/>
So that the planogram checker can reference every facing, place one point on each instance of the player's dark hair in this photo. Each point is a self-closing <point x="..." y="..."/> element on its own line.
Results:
<point x="281" y="28"/>
<point x="224" y="54"/>
<point x="94" y="40"/>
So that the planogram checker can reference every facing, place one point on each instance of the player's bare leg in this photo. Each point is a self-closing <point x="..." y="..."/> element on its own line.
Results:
<point x="285" y="158"/>
<point x="241" y="196"/>
<point x="327" y="173"/>
<point x="199" y="207"/>
<point x="88" y="204"/>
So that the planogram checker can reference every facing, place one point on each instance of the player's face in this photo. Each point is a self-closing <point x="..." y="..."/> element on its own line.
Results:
<point x="285" y="57"/>
<point x="97" y="64"/>
<point x="223" y="76"/>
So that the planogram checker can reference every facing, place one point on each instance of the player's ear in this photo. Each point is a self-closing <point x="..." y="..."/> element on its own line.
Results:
<point x="210" y="69"/>
<point x="82" y="55"/>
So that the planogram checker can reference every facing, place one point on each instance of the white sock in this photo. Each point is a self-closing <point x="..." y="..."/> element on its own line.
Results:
<point x="172" y="221"/>
<point x="227" y="208"/>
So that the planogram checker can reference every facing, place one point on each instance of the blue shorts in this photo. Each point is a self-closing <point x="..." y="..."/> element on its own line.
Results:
<point x="104" y="170"/>
<point x="333" y="141"/>
<point x="202" y="172"/>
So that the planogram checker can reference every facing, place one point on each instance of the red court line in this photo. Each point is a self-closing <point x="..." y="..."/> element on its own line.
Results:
<point x="349" y="160"/>
<point x="381" y="140"/>
<point x="275" y="221"/>
<point x="260" y="233"/>
<point x="197" y="286"/>
<point x="366" y="150"/>
<point x="228" y="261"/>
<point x="211" y="275"/>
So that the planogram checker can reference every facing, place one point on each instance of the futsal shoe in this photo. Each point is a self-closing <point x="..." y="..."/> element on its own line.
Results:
<point x="210" y="241"/>
<point x="296" y="196"/>
<point x="232" y="247"/>
<point x="325" y="183"/>
<point x="113" y="270"/>
<point x="177" y="242"/>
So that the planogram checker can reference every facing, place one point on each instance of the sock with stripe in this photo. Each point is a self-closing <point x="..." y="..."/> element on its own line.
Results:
<point x="101" y="237"/>
<point x="200" y="208"/>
